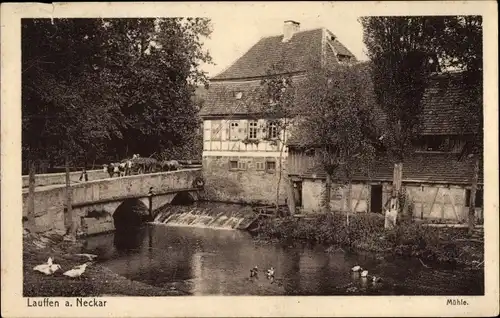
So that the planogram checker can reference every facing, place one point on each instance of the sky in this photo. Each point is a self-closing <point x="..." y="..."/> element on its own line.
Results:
<point x="235" y="33"/>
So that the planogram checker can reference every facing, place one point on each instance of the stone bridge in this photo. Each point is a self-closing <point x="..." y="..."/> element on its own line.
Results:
<point x="104" y="197"/>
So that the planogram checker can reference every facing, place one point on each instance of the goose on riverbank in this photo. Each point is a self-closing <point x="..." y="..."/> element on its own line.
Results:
<point x="76" y="271"/>
<point x="48" y="268"/>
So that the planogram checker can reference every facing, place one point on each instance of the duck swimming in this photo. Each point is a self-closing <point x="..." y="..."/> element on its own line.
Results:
<point x="270" y="273"/>
<point x="356" y="268"/>
<point x="376" y="279"/>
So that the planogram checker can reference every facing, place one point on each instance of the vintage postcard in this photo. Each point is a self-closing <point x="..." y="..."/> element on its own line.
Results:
<point x="196" y="159"/>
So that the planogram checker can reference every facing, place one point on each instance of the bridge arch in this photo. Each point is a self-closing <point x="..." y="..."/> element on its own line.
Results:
<point x="131" y="213"/>
<point x="183" y="198"/>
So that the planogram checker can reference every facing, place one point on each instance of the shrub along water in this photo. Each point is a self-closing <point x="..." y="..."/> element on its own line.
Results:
<point x="366" y="232"/>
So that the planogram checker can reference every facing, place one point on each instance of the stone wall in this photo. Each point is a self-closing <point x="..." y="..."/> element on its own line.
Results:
<point x="250" y="184"/>
<point x="60" y="178"/>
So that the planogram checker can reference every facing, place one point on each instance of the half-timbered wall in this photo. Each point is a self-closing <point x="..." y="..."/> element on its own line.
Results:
<point x="427" y="201"/>
<point x="241" y="135"/>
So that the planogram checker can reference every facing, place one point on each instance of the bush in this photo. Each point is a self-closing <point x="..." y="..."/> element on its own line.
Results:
<point x="366" y="232"/>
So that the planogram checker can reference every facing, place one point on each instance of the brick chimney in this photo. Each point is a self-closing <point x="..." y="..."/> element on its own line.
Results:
<point x="289" y="29"/>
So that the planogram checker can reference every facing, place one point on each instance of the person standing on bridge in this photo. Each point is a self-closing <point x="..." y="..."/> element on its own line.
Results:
<point x="84" y="175"/>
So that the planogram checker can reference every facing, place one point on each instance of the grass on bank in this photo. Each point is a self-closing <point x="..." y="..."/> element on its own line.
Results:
<point x="366" y="232"/>
<point x="95" y="281"/>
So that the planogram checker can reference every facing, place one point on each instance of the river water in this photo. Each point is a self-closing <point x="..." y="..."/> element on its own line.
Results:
<point x="204" y="261"/>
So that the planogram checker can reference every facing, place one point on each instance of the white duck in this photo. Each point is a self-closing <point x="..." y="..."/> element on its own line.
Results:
<point x="364" y="273"/>
<point x="48" y="268"/>
<point x="76" y="271"/>
<point x="356" y="268"/>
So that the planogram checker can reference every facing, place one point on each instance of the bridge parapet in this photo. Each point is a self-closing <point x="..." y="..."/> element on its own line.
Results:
<point x="53" y="200"/>
<point x="60" y="178"/>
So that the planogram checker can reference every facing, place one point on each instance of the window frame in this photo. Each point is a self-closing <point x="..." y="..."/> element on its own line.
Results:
<point x="267" y="162"/>
<point x="231" y="168"/>
<point x="272" y="126"/>
<point x="236" y="136"/>
<point x="253" y="126"/>
<point x="260" y="165"/>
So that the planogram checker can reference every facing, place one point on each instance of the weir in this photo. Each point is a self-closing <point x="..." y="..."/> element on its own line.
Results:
<point x="208" y="215"/>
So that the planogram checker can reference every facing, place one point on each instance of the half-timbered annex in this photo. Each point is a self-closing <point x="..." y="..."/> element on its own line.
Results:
<point x="437" y="176"/>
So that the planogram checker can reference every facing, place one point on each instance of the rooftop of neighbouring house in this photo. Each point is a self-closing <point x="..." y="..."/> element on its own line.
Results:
<point x="420" y="167"/>
<point x="448" y="108"/>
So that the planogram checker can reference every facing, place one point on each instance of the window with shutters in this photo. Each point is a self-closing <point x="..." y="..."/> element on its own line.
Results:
<point x="216" y="130"/>
<point x="252" y="129"/>
<point x="272" y="130"/>
<point x="234" y="130"/>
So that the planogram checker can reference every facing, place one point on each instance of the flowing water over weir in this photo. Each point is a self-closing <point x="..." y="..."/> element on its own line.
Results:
<point x="206" y="214"/>
<point x="180" y="251"/>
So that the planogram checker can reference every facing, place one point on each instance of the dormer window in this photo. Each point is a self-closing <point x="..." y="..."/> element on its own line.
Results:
<point x="238" y="95"/>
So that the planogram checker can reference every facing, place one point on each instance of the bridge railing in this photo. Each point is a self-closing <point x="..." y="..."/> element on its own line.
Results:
<point x="60" y="178"/>
<point x="112" y="188"/>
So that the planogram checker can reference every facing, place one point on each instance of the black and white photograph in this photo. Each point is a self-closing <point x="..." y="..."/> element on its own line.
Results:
<point x="252" y="155"/>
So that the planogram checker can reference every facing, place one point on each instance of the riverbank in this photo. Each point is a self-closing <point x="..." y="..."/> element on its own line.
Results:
<point x="96" y="281"/>
<point x="431" y="245"/>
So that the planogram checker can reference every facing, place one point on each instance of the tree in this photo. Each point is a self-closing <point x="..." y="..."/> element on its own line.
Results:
<point x="156" y="62"/>
<point x="278" y="101"/>
<point x="60" y="108"/>
<point x="404" y="51"/>
<point x="105" y="88"/>
<point x="336" y="119"/>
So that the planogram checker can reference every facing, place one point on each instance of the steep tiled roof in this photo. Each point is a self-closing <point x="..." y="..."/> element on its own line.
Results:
<point x="297" y="55"/>
<point x="447" y="107"/>
<point x="221" y="100"/>
<point x="421" y="167"/>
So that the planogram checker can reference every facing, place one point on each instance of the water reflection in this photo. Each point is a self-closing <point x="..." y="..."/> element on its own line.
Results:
<point x="218" y="262"/>
<point x="130" y="240"/>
